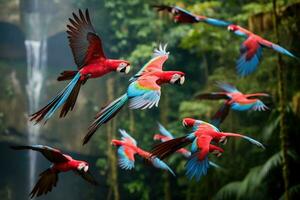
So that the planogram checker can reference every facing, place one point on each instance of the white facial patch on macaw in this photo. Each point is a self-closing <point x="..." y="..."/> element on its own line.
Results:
<point x="176" y="78"/>
<point x="123" y="67"/>
<point x="81" y="166"/>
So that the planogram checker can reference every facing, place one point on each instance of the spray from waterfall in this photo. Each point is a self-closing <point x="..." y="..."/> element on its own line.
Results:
<point x="36" y="64"/>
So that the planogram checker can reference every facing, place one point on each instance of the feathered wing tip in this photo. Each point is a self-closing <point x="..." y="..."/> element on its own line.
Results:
<point x="48" y="179"/>
<point x="246" y="66"/>
<point x="126" y="135"/>
<point x="164" y="131"/>
<point x="260" y="106"/>
<point x="254" y="141"/>
<point x="282" y="50"/>
<point x="161" y="165"/>
<point x="226" y="87"/>
<point x="196" y="168"/>
<point x="124" y="161"/>
<point x="161" y="51"/>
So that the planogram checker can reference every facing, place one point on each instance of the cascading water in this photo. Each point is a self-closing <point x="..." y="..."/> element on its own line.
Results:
<point x="36" y="64"/>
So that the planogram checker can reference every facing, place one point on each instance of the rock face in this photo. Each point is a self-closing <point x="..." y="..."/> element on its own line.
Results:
<point x="11" y="42"/>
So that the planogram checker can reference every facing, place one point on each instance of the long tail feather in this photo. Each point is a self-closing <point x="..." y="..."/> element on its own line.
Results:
<point x="196" y="168"/>
<point x="105" y="115"/>
<point x="67" y="97"/>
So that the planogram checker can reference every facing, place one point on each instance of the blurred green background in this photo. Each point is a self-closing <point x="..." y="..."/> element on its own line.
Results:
<point x="131" y="29"/>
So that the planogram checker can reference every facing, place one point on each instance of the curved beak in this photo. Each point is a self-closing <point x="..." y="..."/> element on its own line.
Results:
<point x="182" y="79"/>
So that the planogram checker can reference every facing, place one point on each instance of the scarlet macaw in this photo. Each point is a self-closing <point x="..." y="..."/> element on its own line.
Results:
<point x="251" y="49"/>
<point x="91" y="61"/>
<point x="60" y="163"/>
<point x="235" y="100"/>
<point x="166" y="136"/>
<point x="183" y="16"/>
<point x="127" y="148"/>
<point x="201" y="137"/>
<point x="143" y="91"/>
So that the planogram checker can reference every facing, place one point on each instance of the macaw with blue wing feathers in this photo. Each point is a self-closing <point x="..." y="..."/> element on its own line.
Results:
<point x="183" y="16"/>
<point x="251" y="50"/>
<point x="201" y="137"/>
<point x="235" y="100"/>
<point x="86" y="46"/>
<point x="166" y="136"/>
<point x="127" y="148"/>
<point x="143" y="92"/>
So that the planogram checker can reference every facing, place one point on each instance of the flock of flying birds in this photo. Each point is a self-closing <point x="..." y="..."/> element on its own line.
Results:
<point x="143" y="92"/>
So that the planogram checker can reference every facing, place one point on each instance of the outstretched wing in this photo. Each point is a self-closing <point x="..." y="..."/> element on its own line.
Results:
<point x="160" y="56"/>
<point x="169" y="147"/>
<point x="48" y="179"/>
<point x="144" y="93"/>
<point x="53" y="155"/>
<point x="87" y="176"/>
<point x="277" y="48"/>
<point x="86" y="45"/>
<point x="126" y="157"/>
<point x="164" y="131"/>
<point x="250" y="54"/>
<point x="127" y="138"/>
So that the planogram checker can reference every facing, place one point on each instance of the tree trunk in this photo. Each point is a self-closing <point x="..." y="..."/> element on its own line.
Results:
<point x="164" y="120"/>
<point x="112" y="159"/>
<point x="282" y="109"/>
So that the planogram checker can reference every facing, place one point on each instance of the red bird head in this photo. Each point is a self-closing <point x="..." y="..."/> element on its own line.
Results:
<point x="173" y="77"/>
<point x="232" y="28"/>
<point x="188" y="122"/>
<point x="121" y="66"/>
<point x="116" y="142"/>
<point x="157" y="137"/>
<point x="82" y="165"/>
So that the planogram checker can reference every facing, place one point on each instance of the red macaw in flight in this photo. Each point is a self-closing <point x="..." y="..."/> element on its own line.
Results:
<point x="251" y="49"/>
<point x="60" y="163"/>
<point x="165" y="135"/>
<point x="183" y="16"/>
<point x="143" y="92"/>
<point x="91" y="62"/>
<point x="235" y="100"/>
<point x="127" y="148"/>
<point x="201" y="137"/>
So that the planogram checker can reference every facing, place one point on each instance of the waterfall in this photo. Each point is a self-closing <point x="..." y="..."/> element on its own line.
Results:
<point x="36" y="63"/>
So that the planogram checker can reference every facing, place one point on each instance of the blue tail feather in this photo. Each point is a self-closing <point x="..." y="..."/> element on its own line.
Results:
<point x="63" y="96"/>
<point x="197" y="168"/>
